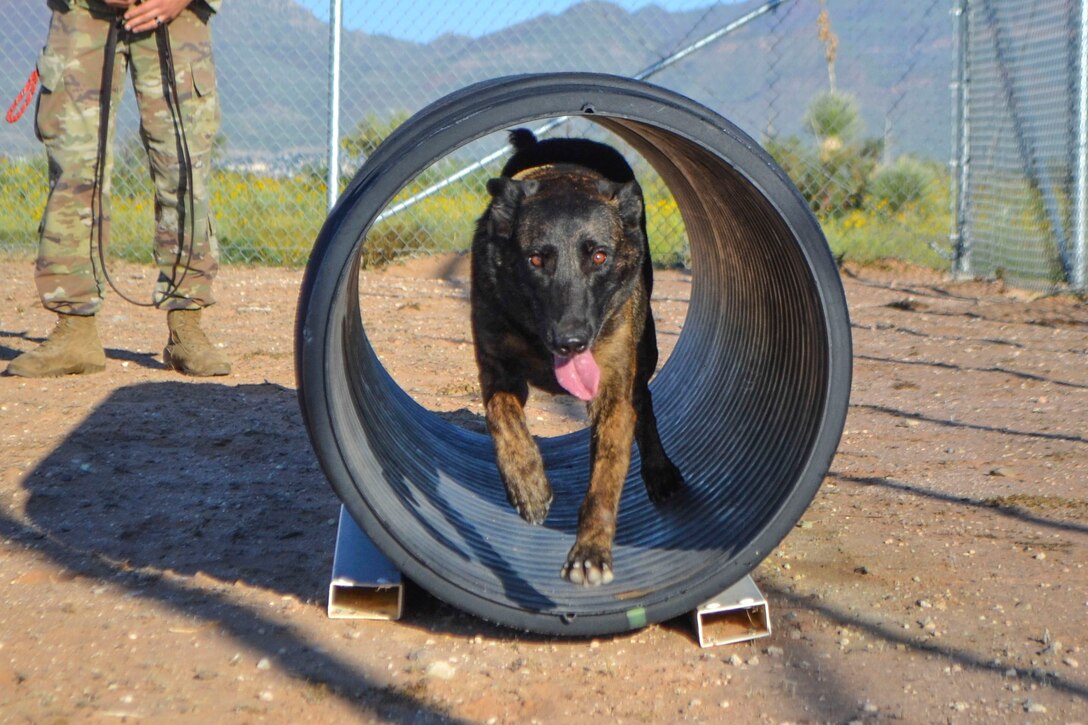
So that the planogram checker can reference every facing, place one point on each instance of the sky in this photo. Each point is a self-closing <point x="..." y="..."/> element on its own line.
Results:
<point x="423" y="20"/>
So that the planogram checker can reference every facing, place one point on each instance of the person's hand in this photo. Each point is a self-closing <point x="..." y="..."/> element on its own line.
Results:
<point x="119" y="3"/>
<point x="150" y="14"/>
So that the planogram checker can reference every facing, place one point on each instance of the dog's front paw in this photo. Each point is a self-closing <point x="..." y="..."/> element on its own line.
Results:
<point x="662" y="479"/>
<point x="588" y="565"/>
<point x="532" y="499"/>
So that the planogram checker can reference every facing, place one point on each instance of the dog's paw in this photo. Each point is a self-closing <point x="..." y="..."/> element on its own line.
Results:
<point x="588" y="565"/>
<point x="662" y="480"/>
<point x="531" y="501"/>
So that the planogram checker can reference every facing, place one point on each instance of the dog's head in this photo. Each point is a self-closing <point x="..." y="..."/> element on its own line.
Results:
<point x="576" y="244"/>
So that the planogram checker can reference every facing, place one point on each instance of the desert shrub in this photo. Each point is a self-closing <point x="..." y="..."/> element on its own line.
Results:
<point x="833" y="181"/>
<point x="868" y="211"/>
<point x="903" y="182"/>
<point x="834" y="116"/>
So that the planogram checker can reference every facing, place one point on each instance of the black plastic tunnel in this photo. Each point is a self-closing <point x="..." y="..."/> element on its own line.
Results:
<point x="751" y="403"/>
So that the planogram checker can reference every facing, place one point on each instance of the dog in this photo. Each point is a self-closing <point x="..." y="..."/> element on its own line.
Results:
<point x="560" y="300"/>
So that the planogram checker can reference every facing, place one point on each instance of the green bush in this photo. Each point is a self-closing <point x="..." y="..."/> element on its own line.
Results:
<point x="833" y="181"/>
<point x="868" y="211"/>
<point x="904" y="182"/>
<point x="834" y="116"/>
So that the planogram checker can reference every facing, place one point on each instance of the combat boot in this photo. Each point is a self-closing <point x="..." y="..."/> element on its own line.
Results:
<point x="189" y="350"/>
<point x="72" y="348"/>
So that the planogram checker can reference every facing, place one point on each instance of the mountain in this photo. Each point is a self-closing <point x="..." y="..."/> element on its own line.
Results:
<point x="896" y="59"/>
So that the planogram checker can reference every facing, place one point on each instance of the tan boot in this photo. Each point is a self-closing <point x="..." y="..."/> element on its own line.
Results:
<point x="189" y="350"/>
<point x="72" y="348"/>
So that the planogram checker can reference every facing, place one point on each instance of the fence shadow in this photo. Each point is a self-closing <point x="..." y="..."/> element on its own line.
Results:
<point x="995" y="505"/>
<point x="892" y="635"/>
<point x="973" y="369"/>
<point x="7" y="352"/>
<point x="142" y="359"/>
<point x="950" y="423"/>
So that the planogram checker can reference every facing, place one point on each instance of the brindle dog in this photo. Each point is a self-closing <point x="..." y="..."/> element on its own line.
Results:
<point x="561" y="281"/>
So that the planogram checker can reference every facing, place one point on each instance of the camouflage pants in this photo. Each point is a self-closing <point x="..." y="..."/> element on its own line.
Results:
<point x="68" y="274"/>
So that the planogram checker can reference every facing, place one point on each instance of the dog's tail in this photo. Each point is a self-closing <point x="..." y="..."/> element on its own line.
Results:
<point x="522" y="138"/>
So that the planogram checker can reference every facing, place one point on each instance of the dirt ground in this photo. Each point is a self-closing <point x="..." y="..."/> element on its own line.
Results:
<point x="166" y="543"/>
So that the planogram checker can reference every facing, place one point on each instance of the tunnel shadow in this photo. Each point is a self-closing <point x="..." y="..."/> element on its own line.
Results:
<point x="181" y="478"/>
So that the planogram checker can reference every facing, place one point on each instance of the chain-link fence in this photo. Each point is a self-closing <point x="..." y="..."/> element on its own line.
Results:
<point x="1022" y="141"/>
<point x="852" y="100"/>
<point x="874" y="167"/>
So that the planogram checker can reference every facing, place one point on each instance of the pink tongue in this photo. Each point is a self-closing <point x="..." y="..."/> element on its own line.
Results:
<point x="578" y="374"/>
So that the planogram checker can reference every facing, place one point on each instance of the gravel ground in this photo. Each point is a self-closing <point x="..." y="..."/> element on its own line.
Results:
<point x="166" y="543"/>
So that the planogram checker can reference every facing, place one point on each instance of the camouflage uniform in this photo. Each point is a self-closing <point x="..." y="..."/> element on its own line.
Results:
<point x="67" y="273"/>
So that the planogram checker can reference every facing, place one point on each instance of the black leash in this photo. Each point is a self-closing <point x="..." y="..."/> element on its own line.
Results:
<point x="185" y="179"/>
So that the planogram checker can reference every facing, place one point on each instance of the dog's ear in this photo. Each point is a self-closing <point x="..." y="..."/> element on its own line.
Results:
<point x="628" y="197"/>
<point x="498" y="187"/>
<point x="507" y="194"/>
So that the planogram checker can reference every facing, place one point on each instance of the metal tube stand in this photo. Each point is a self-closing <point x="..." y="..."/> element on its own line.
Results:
<point x="366" y="585"/>
<point x="738" y="614"/>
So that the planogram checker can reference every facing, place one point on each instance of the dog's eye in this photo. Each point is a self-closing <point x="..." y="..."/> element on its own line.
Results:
<point x="599" y="257"/>
<point x="536" y="260"/>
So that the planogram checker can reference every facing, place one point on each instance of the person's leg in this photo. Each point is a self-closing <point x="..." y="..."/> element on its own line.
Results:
<point x="66" y="273"/>
<point x="67" y="123"/>
<point x="186" y="248"/>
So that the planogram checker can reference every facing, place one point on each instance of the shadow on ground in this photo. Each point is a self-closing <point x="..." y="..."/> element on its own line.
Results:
<point x="177" y="478"/>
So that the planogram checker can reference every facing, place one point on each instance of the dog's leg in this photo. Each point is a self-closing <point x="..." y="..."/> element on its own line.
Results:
<point x="520" y="464"/>
<point x="661" y="476"/>
<point x="613" y="426"/>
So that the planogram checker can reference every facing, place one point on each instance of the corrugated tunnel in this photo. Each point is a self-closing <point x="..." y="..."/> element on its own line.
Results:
<point x="751" y="403"/>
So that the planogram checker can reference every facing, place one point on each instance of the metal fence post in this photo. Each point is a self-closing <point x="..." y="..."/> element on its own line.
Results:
<point x="961" y="249"/>
<point x="1078" y="278"/>
<point x="333" y="174"/>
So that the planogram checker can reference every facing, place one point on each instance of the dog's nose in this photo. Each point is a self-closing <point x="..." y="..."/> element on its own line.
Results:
<point x="572" y="345"/>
